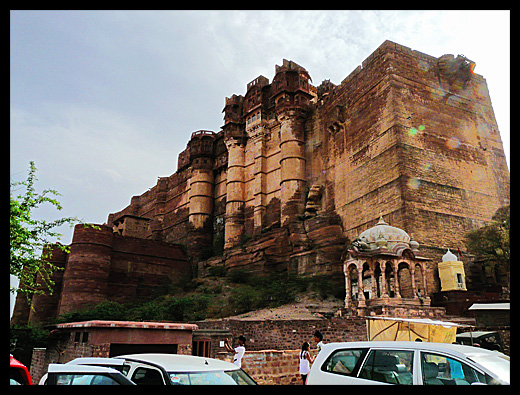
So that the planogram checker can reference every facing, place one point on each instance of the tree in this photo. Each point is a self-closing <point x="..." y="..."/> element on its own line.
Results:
<point x="491" y="242"/>
<point x="29" y="236"/>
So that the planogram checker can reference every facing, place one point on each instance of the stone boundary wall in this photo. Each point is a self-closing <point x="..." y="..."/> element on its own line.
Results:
<point x="290" y="334"/>
<point x="269" y="366"/>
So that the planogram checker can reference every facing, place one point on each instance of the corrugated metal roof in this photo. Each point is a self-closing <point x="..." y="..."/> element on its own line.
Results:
<point x="490" y="306"/>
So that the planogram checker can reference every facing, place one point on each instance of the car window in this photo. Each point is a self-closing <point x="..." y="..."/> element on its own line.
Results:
<point x="441" y="370"/>
<point x="147" y="376"/>
<point x="211" y="378"/>
<point x="84" y="379"/>
<point x="389" y="366"/>
<point x="17" y="376"/>
<point x="344" y="362"/>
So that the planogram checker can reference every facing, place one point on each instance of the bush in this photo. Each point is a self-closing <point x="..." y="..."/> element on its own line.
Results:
<point x="150" y="311"/>
<point x="107" y="310"/>
<point x="245" y="298"/>
<point x="241" y="276"/>
<point x="22" y="340"/>
<point x="327" y="286"/>
<point x="186" y="308"/>
<point x="217" y="271"/>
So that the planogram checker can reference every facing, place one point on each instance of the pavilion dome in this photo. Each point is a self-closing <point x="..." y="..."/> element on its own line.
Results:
<point x="384" y="235"/>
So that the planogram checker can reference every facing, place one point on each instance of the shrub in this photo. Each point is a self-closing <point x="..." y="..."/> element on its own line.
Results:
<point x="106" y="310"/>
<point x="240" y="276"/>
<point x="217" y="271"/>
<point x="245" y="298"/>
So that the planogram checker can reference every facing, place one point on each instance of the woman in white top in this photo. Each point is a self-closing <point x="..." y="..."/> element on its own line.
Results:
<point x="305" y="361"/>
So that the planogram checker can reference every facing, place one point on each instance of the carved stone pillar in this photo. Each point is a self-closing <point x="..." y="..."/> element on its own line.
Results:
<point x="384" y="292"/>
<point x="348" y="286"/>
<point x="412" y="274"/>
<point x="361" y="291"/>
<point x="397" y="294"/>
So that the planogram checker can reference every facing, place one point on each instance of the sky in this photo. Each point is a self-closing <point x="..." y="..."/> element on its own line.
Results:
<point x="104" y="101"/>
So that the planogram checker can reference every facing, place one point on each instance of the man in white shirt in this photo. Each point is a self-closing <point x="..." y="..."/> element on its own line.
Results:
<point x="239" y="351"/>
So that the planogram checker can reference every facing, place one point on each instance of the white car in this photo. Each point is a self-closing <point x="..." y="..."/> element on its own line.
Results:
<point x="387" y="362"/>
<point x="173" y="369"/>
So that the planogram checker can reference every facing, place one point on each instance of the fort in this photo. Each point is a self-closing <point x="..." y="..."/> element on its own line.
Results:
<point x="298" y="172"/>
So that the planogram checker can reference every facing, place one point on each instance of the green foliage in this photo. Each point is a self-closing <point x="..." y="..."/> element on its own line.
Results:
<point x="28" y="236"/>
<point x="240" y="276"/>
<point x="277" y="289"/>
<point x="111" y="311"/>
<point x="491" y="242"/>
<point x="22" y="340"/>
<point x="164" y="308"/>
<point x="245" y="298"/>
<point x="325" y="286"/>
<point x="246" y="292"/>
<point x="217" y="271"/>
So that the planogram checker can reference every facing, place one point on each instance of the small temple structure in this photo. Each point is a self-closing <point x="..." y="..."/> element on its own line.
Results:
<point x="451" y="273"/>
<point x="385" y="273"/>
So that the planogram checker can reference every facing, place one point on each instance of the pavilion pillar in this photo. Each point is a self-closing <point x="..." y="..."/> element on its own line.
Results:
<point x="397" y="294"/>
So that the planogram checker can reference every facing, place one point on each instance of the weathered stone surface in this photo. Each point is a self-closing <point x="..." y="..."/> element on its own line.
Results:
<point x="297" y="171"/>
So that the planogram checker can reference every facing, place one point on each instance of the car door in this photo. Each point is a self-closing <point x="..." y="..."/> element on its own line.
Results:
<point x="147" y="375"/>
<point x="388" y="366"/>
<point x="441" y="369"/>
<point x="342" y="366"/>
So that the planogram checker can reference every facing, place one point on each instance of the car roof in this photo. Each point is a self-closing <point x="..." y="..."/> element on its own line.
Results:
<point x="16" y="364"/>
<point x="475" y="334"/>
<point x="182" y="363"/>
<point x="455" y="349"/>
<point x="89" y="369"/>
<point x="96" y="361"/>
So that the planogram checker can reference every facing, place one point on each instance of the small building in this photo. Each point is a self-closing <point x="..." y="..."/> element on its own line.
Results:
<point x="491" y="315"/>
<point x="110" y="339"/>
<point x="451" y="273"/>
<point x="385" y="273"/>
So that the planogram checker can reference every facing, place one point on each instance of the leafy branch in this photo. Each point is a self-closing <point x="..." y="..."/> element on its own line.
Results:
<point x="30" y="238"/>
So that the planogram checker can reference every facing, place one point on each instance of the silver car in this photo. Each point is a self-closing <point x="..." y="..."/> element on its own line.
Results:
<point x="386" y="362"/>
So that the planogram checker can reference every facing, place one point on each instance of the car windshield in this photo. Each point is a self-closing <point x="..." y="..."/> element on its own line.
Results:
<point x="227" y="377"/>
<point x="498" y="364"/>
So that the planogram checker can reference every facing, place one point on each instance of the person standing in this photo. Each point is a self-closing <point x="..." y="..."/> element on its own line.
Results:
<point x="305" y="361"/>
<point x="239" y="351"/>
<point x="318" y="338"/>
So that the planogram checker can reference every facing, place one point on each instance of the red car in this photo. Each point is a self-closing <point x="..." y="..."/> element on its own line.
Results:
<point x="19" y="374"/>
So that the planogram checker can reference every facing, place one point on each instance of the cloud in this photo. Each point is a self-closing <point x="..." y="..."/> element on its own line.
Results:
<point x="105" y="100"/>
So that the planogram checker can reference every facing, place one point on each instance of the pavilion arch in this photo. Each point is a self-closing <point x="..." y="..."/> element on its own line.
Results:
<point x="352" y="279"/>
<point x="405" y="280"/>
<point x="389" y="279"/>
<point x="378" y="278"/>
<point x="367" y="280"/>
